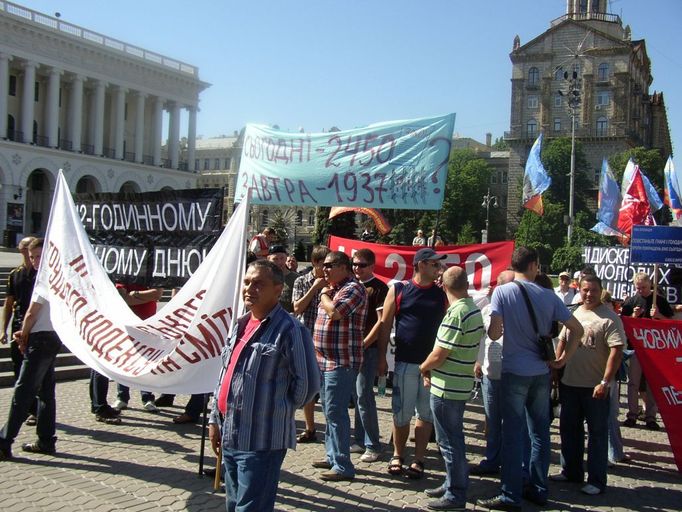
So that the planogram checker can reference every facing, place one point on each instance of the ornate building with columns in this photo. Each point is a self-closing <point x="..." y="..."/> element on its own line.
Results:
<point x="610" y="74"/>
<point x="91" y="105"/>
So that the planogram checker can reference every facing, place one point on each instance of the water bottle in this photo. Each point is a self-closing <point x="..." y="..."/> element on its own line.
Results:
<point x="381" y="385"/>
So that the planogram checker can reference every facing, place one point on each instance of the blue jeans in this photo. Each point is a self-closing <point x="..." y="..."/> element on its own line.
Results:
<point x="615" y="438"/>
<point x="251" y="479"/>
<point x="525" y="399"/>
<point x="123" y="394"/>
<point x="448" y="419"/>
<point x="36" y="377"/>
<point x="335" y="394"/>
<point x="366" y="420"/>
<point x="578" y="406"/>
<point x="493" y="419"/>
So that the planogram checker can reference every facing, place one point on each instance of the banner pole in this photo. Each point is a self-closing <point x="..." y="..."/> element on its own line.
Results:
<point x="653" y="304"/>
<point x="202" y="449"/>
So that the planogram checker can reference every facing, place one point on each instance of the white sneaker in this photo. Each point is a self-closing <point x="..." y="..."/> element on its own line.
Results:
<point x="369" y="456"/>
<point x="119" y="405"/>
<point x="591" y="490"/>
<point x="150" y="407"/>
<point x="356" y="448"/>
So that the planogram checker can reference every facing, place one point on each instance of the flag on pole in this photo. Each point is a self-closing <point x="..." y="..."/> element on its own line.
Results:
<point x="535" y="180"/>
<point x="635" y="209"/>
<point x="672" y="190"/>
<point x="652" y="194"/>
<point x="609" y="200"/>
<point x="382" y="224"/>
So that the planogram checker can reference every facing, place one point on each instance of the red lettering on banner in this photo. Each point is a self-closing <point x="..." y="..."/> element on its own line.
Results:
<point x="658" y="344"/>
<point x="193" y="358"/>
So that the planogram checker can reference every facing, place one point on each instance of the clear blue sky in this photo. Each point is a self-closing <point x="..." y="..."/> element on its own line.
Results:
<point x="320" y="63"/>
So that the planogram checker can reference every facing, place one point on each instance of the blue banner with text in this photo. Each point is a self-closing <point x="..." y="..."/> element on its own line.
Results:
<point x="396" y="164"/>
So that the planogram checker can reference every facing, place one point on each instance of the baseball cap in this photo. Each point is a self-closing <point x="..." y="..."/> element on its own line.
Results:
<point x="564" y="274"/>
<point x="277" y="248"/>
<point x="427" y="254"/>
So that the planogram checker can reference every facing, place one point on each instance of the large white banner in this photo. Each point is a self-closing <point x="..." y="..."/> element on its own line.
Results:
<point x="175" y="351"/>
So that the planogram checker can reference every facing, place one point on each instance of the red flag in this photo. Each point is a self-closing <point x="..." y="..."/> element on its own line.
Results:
<point x="635" y="209"/>
<point x="382" y="224"/>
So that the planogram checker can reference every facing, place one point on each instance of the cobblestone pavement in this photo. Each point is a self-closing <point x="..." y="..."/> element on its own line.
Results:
<point x="148" y="463"/>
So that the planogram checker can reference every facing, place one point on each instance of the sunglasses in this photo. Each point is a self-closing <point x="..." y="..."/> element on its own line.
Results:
<point x="330" y="265"/>
<point x="361" y="265"/>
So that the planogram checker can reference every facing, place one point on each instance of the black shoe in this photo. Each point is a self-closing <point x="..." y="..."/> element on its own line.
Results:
<point x="164" y="401"/>
<point x="333" y="476"/>
<point x="529" y="494"/>
<point x="444" y="504"/>
<point x="5" y="453"/>
<point x="38" y="448"/>
<point x="652" y="425"/>
<point x="482" y="470"/>
<point x="321" y="464"/>
<point x="211" y="472"/>
<point x="438" y="492"/>
<point x="497" y="503"/>
<point x="109" y="416"/>
<point x="630" y="422"/>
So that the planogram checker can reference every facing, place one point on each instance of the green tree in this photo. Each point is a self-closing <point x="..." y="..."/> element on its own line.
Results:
<point x="342" y="225"/>
<point x="544" y="233"/>
<point x="650" y="162"/>
<point x="282" y="222"/>
<point x="500" y="144"/>
<point x="466" y="234"/>
<point x="556" y="157"/>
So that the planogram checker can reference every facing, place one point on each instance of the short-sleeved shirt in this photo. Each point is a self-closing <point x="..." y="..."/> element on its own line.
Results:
<point x="20" y="286"/>
<point x="301" y="286"/>
<point x="419" y="312"/>
<point x="145" y="310"/>
<point x="338" y="343"/>
<point x="460" y="334"/>
<point x="521" y="350"/>
<point x="603" y="330"/>
<point x="376" y="295"/>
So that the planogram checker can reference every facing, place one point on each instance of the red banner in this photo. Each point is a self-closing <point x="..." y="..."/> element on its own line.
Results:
<point x="658" y="344"/>
<point x="482" y="262"/>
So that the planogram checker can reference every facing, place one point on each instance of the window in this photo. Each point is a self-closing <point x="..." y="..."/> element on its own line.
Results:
<point x="557" y="124"/>
<point x="227" y="163"/>
<point x="311" y="218"/>
<point x="207" y="164"/>
<point x="264" y="218"/>
<point x="583" y="7"/>
<point x="603" y="98"/>
<point x="504" y="176"/>
<point x="493" y="179"/>
<point x="533" y="76"/>
<point x="576" y="69"/>
<point x="60" y="97"/>
<point x="299" y="218"/>
<point x="196" y="164"/>
<point x="532" y="128"/>
<point x="602" y="126"/>
<point x="603" y="72"/>
<point x="559" y="73"/>
<point x="12" y="85"/>
<point x="597" y="176"/>
<point x="558" y="100"/>
<point x="532" y="101"/>
<point x="216" y="164"/>
<point x="36" y="91"/>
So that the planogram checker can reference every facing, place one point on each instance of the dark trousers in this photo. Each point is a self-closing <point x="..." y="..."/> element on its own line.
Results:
<point x="123" y="394"/>
<point x="35" y="378"/>
<point x="99" y="387"/>
<point x="195" y="405"/>
<point x="17" y="360"/>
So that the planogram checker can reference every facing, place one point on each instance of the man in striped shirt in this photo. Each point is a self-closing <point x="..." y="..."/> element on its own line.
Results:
<point x="269" y="371"/>
<point x="449" y="370"/>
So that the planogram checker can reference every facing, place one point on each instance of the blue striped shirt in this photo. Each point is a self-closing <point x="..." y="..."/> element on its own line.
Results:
<point x="276" y="374"/>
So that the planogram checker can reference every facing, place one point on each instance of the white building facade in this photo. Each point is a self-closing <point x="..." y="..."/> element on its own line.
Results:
<point x="93" y="106"/>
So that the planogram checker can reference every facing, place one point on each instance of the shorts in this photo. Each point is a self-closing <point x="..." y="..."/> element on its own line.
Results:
<point x="410" y="396"/>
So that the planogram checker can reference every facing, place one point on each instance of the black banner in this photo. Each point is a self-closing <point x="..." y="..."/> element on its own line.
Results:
<point x="155" y="239"/>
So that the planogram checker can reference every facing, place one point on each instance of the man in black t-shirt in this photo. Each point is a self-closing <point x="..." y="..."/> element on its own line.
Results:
<point x="17" y="299"/>
<point x="640" y="305"/>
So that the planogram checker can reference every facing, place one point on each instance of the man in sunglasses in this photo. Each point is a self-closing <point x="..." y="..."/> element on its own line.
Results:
<point x="338" y="338"/>
<point x="366" y="420"/>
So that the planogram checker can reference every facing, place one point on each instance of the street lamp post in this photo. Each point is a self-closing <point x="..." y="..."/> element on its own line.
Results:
<point x="487" y="199"/>
<point x="573" y="99"/>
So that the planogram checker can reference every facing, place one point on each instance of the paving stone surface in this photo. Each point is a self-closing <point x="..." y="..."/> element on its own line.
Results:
<point x="149" y="464"/>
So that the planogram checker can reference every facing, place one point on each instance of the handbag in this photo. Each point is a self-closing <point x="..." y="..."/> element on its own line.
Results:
<point x="545" y="343"/>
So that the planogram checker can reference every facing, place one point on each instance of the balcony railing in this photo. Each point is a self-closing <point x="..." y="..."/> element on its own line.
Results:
<point x="596" y="16"/>
<point x="108" y="152"/>
<point x="182" y="166"/>
<point x="148" y="159"/>
<point x="15" y="135"/>
<point x="129" y="157"/>
<point x="96" y="38"/>
<point x="66" y="145"/>
<point x="42" y="140"/>
<point x="165" y="162"/>
<point x="88" y="149"/>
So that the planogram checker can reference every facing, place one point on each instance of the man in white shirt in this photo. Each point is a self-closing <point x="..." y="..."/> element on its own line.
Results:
<point x="564" y="291"/>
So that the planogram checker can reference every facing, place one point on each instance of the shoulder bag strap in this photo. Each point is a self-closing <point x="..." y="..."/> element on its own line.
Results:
<point x="529" y="305"/>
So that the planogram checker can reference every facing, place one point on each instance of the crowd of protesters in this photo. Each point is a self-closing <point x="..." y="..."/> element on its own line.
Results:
<point x="323" y="335"/>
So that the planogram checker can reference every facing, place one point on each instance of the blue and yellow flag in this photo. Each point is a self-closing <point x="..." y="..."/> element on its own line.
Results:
<point x="535" y="180"/>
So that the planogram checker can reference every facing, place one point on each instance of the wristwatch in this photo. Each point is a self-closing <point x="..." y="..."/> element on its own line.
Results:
<point x="604" y="383"/>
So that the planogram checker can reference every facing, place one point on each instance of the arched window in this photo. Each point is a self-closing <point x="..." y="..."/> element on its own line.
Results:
<point x="299" y="218"/>
<point x="264" y="218"/>
<point x="559" y="73"/>
<point x="533" y="76"/>
<point x="602" y="126"/>
<point x="532" y="128"/>
<point x="311" y="218"/>
<point x="603" y="72"/>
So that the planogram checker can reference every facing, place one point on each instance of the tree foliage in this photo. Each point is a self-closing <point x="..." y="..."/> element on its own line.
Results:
<point x="556" y="157"/>
<point x="650" y="163"/>
<point x="500" y="144"/>
<point x="342" y="225"/>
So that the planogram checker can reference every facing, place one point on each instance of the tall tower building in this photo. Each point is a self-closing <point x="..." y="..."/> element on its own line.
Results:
<point x="612" y="75"/>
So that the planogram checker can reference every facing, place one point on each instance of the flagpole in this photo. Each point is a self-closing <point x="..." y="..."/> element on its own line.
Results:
<point x="572" y="179"/>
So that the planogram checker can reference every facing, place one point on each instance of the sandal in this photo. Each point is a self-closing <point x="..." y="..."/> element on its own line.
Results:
<point x="416" y="470"/>
<point x="307" y="436"/>
<point x="395" y="466"/>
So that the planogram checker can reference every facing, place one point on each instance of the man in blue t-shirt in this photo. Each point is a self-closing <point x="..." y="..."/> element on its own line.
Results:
<point x="525" y="378"/>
